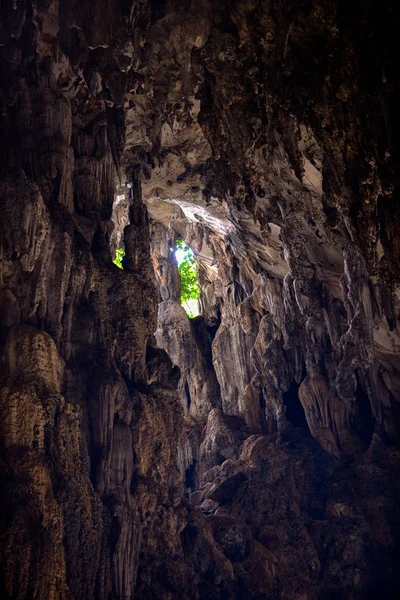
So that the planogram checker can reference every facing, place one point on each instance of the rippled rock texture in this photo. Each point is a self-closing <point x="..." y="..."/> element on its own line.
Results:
<point x="252" y="452"/>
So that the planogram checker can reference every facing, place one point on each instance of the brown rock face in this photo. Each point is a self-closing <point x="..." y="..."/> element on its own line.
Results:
<point x="251" y="452"/>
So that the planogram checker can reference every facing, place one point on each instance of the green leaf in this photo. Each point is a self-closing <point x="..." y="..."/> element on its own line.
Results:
<point x="119" y="255"/>
<point x="188" y="274"/>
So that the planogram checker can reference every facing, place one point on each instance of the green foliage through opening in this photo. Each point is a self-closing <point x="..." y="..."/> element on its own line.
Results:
<point x="188" y="273"/>
<point x="119" y="255"/>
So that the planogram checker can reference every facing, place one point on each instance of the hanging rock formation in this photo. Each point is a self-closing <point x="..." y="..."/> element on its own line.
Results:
<point x="252" y="452"/>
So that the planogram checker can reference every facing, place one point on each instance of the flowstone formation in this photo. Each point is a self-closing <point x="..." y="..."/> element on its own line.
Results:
<point x="251" y="452"/>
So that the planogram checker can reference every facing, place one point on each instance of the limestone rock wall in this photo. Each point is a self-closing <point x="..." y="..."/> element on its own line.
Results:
<point x="89" y="415"/>
<point x="187" y="342"/>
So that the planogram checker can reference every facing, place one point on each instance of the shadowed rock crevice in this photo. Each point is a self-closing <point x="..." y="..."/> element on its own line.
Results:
<point x="294" y="409"/>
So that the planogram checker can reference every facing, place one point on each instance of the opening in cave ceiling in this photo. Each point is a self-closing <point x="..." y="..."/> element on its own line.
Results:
<point x="187" y="269"/>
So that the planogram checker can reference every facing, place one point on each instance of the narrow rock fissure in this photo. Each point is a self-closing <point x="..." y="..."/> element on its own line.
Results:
<point x="294" y="409"/>
<point x="190" y="479"/>
<point x="187" y="392"/>
<point x="365" y="423"/>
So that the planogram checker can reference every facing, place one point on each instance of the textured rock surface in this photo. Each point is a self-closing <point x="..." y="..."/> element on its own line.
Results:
<point x="252" y="452"/>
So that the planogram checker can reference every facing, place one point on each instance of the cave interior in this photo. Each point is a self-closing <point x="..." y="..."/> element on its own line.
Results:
<point x="249" y="452"/>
